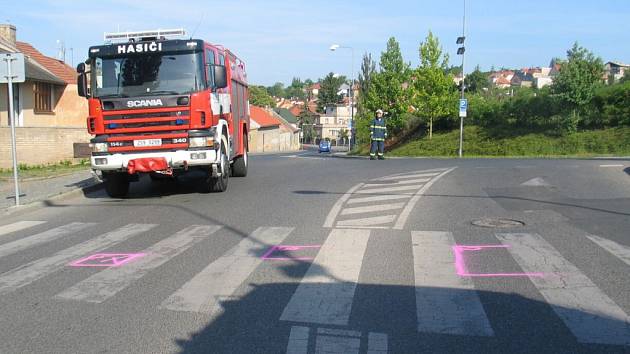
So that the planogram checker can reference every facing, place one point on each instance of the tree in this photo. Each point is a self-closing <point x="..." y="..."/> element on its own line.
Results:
<point x="432" y="89"/>
<point x="328" y="91"/>
<point x="368" y="68"/>
<point x="476" y="81"/>
<point x="258" y="96"/>
<point x="386" y="90"/>
<point x="306" y="120"/>
<point x="577" y="80"/>
<point x="277" y="90"/>
<point x="296" y="90"/>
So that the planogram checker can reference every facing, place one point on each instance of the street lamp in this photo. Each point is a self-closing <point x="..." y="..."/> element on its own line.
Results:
<point x="462" y="51"/>
<point x="333" y="48"/>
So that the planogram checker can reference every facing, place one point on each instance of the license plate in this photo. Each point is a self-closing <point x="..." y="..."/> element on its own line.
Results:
<point x="147" y="142"/>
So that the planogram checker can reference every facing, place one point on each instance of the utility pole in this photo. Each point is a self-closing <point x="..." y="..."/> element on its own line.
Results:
<point x="14" y="74"/>
<point x="462" y="51"/>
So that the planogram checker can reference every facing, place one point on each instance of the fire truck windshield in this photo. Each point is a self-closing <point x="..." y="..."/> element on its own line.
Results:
<point x="147" y="74"/>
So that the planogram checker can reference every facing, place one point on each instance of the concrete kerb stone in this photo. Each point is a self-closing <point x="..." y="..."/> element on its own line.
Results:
<point x="17" y="210"/>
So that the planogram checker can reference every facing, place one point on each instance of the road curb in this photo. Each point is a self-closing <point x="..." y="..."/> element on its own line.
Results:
<point x="13" y="210"/>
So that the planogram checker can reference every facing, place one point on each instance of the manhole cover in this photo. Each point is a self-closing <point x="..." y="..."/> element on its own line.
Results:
<point x="498" y="223"/>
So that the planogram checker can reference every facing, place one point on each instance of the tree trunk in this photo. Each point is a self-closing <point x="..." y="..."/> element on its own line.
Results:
<point x="430" y="128"/>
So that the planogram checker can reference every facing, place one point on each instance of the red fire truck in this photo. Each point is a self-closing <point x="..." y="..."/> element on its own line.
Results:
<point x="164" y="106"/>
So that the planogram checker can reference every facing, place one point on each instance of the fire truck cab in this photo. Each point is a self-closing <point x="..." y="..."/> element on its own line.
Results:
<point x="164" y="106"/>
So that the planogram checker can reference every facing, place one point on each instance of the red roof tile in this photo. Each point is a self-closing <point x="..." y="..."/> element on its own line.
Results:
<point x="55" y="66"/>
<point x="295" y="110"/>
<point x="263" y="117"/>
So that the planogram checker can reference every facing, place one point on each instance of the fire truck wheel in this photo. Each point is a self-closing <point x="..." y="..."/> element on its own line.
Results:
<point x="117" y="185"/>
<point x="220" y="183"/>
<point x="239" y="167"/>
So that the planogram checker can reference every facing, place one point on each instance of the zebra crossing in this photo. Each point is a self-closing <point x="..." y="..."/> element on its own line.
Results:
<point x="323" y="298"/>
<point x="363" y="206"/>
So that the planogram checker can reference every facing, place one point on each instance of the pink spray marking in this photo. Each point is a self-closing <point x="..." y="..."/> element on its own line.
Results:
<point x="268" y="254"/>
<point x="460" y="265"/>
<point x="106" y="259"/>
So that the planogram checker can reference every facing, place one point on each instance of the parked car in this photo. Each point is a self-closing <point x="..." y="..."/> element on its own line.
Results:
<point x="324" y="146"/>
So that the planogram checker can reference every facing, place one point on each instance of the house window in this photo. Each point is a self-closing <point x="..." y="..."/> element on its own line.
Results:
<point x="43" y="97"/>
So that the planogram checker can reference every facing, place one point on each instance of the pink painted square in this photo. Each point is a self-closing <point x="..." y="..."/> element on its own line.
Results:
<point x="462" y="271"/>
<point x="106" y="259"/>
<point x="286" y="253"/>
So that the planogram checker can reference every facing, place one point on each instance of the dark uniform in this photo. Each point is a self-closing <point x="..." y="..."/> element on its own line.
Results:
<point x="378" y="133"/>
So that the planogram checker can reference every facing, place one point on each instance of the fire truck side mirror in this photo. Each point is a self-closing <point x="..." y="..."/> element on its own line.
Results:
<point x="220" y="76"/>
<point x="82" y="81"/>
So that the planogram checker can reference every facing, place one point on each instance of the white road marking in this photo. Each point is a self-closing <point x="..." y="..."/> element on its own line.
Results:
<point x="403" y="182"/>
<point x="334" y="211"/>
<point x="417" y="174"/>
<point x="220" y="280"/>
<point x="298" y="340"/>
<point x="377" y="343"/>
<point x="339" y="332"/>
<point x="402" y="219"/>
<point x="590" y="314"/>
<point x="378" y="198"/>
<point x="105" y="284"/>
<point x="445" y="302"/>
<point x="536" y="182"/>
<point x="372" y="221"/>
<point x="620" y="251"/>
<point x="619" y="165"/>
<point x="337" y="345"/>
<point x="46" y="236"/>
<point x="388" y="189"/>
<point x="28" y="273"/>
<point x="17" y="226"/>
<point x="327" y="289"/>
<point x="372" y="208"/>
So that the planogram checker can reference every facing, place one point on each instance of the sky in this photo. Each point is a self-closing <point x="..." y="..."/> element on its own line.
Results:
<point x="279" y="40"/>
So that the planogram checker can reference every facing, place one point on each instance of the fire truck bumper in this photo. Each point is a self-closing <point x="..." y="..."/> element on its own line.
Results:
<point x="174" y="159"/>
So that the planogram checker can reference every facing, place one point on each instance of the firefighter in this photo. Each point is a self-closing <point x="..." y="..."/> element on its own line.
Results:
<point x="378" y="133"/>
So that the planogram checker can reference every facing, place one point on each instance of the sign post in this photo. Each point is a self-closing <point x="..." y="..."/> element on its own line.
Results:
<point x="463" y="107"/>
<point x="13" y="73"/>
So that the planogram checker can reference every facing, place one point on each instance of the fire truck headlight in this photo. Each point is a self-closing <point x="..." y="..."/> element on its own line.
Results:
<point x="99" y="147"/>
<point x="203" y="141"/>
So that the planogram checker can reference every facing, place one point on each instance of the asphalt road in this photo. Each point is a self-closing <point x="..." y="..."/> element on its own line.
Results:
<point x="313" y="253"/>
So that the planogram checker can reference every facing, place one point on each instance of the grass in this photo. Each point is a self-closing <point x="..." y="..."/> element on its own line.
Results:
<point x="44" y="171"/>
<point x="479" y="143"/>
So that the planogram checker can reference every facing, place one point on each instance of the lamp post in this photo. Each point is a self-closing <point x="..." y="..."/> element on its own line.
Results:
<point x="333" y="48"/>
<point x="462" y="51"/>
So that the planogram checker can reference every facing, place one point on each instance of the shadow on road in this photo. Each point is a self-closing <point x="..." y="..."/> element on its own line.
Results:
<point x="250" y="324"/>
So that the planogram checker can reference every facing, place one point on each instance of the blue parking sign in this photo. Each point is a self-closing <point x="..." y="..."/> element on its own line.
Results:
<point x="463" y="107"/>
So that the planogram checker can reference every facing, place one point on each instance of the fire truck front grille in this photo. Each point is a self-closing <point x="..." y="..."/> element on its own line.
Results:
<point x="135" y="123"/>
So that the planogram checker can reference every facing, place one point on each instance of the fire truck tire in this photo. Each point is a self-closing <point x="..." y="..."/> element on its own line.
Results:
<point x="239" y="167"/>
<point x="117" y="185"/>
<point x="219" y="184"/>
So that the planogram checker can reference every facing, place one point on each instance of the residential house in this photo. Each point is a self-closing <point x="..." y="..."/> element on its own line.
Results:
<point x="616" y="70"/>
<point x="522" y="78"/>
<point x="287" y="116"/>
<point x="49" y="114"/>
<point x="268" y="132"/>
<point x="332" y="122"/>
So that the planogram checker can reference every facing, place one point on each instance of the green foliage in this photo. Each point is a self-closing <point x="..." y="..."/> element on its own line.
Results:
<point x="296" y="89"/>
<point x="476" y="81"/>
<point x="277" y="90"/>
<point x="258" y="96"/>
<point x="610" y="107"/>
<point x="481" y="142"/>
<point x="432" y="92"/>
<point x="579" y="76"/>
<point x="368" y="68"/>
<point x="386" y="86"/>
<point x="328" y="91"/>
